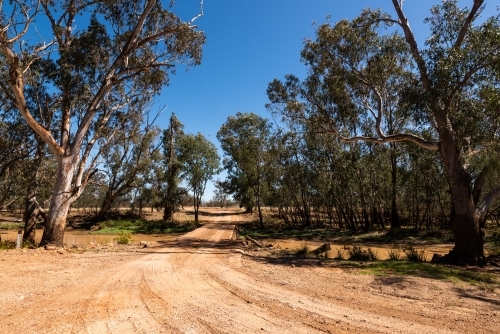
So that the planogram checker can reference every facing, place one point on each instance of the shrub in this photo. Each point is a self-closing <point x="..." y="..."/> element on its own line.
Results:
<point x="124" y="238"/>
<point x="413" y="254"/>
<point x="358" y="253"/>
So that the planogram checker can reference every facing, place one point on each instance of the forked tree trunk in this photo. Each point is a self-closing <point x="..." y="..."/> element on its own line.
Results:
<point x="60" y="202"/>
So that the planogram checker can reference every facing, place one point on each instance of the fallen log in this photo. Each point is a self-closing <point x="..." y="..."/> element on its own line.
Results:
<point x="255" y="242"/>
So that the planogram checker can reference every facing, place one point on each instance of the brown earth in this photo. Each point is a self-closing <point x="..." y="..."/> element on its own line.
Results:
<point x="204" y="282"/>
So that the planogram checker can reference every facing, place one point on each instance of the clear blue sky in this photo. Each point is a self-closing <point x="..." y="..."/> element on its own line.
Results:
<point x="251" y="42"/>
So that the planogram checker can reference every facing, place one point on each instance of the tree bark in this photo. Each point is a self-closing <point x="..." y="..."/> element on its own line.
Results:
<point x="395" y="223"/>
<point x="60" y="202"/>
<point x="106" y="205"/>
<point x="31" y="213"/>
<point x="469" y="238"/>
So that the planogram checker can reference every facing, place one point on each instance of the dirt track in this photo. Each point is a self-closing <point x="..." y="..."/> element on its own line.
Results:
<point x="205" y="283"/>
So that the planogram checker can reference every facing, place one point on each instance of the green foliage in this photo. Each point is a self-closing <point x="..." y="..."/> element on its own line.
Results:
<point x="199" y="162"/>
<point x="358" y="253"/>
<point x="169" y="181"/>
<point x="370" y="82"/>
<point x="244" y="139"/>
<point x="124" y="238"/>
<point x="144" y="226"/>
<point x="162" y="226"/>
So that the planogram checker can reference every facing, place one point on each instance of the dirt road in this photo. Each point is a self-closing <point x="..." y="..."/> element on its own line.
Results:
<point x="204" y="282"/>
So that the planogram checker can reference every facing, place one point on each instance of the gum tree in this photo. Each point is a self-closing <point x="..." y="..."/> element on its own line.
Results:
<point x="449" y="93"/>
<point x="244" y="139"/>
<point x="98" y="56"/>
<point x="171" y="192"/>
<point x="199" y="163"/>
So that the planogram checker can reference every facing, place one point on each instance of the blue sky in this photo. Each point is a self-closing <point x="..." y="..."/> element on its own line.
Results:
<point x="249" y="43"/>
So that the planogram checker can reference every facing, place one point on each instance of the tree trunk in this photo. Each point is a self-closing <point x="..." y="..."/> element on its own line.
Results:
<point x="395" y="223"/>
<point x="469" y="238"/>
<point x="60" y="201"/>
<point x="31" y="212"/>
<point x="106" y="205"/>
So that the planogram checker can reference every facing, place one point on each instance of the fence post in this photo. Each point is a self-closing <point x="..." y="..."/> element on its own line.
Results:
<point x="19" y="238"/>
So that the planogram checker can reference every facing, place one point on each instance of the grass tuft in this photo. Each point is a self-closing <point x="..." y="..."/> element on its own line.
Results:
<point x="415" y="255"/>
<point x="124" y="238"/>
<point x="395" y="255"/>
<point x="358" y="253"/>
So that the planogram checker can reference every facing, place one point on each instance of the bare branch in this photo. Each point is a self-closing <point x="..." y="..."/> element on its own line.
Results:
<point x="410" y="39"/>
<point x="461" y="36"/>
<point x="199" y="15"/>
<point x="29" y="19"/>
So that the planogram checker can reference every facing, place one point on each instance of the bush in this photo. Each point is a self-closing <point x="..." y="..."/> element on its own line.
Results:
<point x="413" y="254"/>
<point x="124" y="238"/>
<point x="358" y="253"/>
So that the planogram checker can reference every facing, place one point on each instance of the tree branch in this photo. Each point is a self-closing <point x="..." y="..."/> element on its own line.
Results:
<point x="487" y="202"/>
<point x="461" y="36"/>
<point x="410" y="39"/>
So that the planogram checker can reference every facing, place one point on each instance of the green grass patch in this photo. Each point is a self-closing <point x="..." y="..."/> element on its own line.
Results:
<point x="472" y="276"/>
<point x="10" y="226"/>
<point x="161" y="226"/>
<point x="280" y="231"/>
<point x="144" y="227"/>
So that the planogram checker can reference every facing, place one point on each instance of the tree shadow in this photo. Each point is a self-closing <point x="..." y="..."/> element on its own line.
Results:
<point x="473" y="295"/>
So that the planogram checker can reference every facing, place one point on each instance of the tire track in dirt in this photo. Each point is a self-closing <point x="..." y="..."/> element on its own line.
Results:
<point x="198" y="284"/>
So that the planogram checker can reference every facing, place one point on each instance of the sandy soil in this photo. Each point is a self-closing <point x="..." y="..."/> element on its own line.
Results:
<point x="204" y="282"/>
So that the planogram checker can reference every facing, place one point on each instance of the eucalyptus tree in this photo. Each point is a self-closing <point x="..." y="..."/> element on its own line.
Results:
<point x="94" y="69"/>
<point x="244" y="139"/>
<point x="199" y="163"/>
<point x="449" y="94"/>
<point x="129" y="158"/>
<point x="170" y="175"/>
